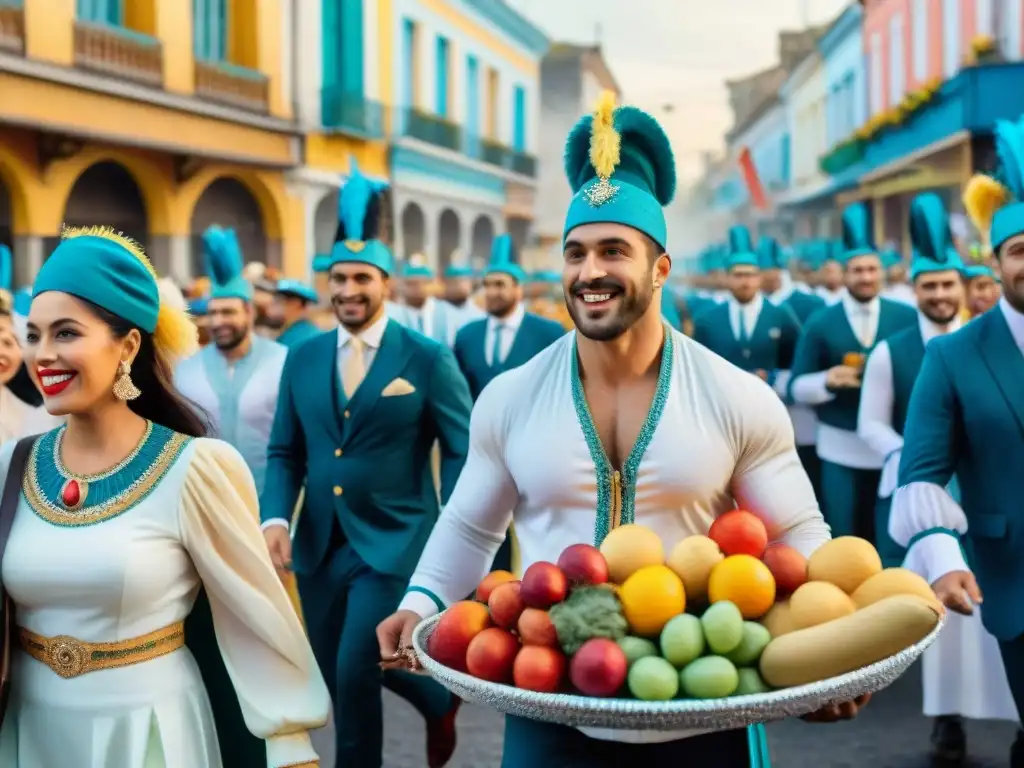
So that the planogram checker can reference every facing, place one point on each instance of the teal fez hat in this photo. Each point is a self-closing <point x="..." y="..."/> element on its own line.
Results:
<point x="858" y="238"/>
<point x="359" y="217"/>
<point x="106" y="269"/>
<point x="548" y="276"/>
<point x="458" y="272"/>
<point x="972" y="271"/>
<point x="890" y="258"/>
<point x="741" y="249"/>
<point x="621" y="170"/>
<point x="322" y="262"/>
<point x="930" y="237"/>
<point x="769" y="254"/>
<point x="224" y="265"/>
<point x="298" y="289"/>
<point x="418" y="270"/>
<point x="198" y="307"/>
<point x="502" y="262"/>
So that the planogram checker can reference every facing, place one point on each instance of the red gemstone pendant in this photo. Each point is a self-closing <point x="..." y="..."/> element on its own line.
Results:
<point x="72" y="495"/>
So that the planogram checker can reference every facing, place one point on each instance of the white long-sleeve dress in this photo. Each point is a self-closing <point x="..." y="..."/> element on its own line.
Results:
<point x="177" y="514"/>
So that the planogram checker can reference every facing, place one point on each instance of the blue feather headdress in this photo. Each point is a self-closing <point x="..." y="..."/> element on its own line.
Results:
<point x="621" y="169"/>
<point x="858" y="232"/>
<point x="931" y="238"/>
<point x="359" y="216"/>
<point x="995" y="204"/>
<point x="741" y="248"/>
<point x="224" y="265"/>
<point x="503" y="260"/>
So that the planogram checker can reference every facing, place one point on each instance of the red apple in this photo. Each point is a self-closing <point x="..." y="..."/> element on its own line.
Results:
<point x="599" y="667"/>
<point x="491" y="654"/>
<point x="738" y="532"/>
<point x="458" y="626"/>
<point x="536" y="628"/>
<point x="490" y="581"/>
<point x="544" y="584"/>
<point x="583" y="564"/>
<point x="506" y="604"/>
<point x="538" y="668"/>
<point x="788" y="567"/>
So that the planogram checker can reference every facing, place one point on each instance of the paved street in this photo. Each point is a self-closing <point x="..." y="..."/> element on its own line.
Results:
<point x="891" y="733"/>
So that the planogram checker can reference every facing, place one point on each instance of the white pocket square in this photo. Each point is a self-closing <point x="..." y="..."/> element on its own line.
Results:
<point x="397" y="387"/>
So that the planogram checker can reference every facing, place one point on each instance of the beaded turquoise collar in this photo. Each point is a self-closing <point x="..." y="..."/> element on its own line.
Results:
<point x="64" y="498"/>
<point x="616" y="489"/>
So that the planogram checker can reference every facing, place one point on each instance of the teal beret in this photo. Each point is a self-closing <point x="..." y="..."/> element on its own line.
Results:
<point x="972" y="271"/>
<point x="107" y="269"/>
<point x="297" y="289"/>
<point x="621" y="169"/>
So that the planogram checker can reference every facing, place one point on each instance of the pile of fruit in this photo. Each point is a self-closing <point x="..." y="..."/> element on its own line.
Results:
<point x="722" y="615"/>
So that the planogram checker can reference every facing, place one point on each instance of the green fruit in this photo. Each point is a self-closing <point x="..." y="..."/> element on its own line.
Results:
<point x="750" y="682"/>
<point x="637" y="648"/>
<point x="755" y="638"/>
<point x="653" y="679"/>
<point x="723" y="627"/>
<point x="587" y="613"/>
<point x="682" y="640"/>
<point x="710" y="677"/>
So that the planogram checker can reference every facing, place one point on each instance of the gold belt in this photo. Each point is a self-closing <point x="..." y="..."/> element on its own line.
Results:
<point x="69" y="657"/>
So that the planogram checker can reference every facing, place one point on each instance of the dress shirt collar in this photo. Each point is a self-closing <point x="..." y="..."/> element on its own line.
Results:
<point x="1015" y="320"/>
<point x="780" y="296"/>
<point x="931" y="329"/>
<point x="753" y="306"/>
<point x="425" y="310"/>
<point x="856" y="308"/>
<point x="512" y="322"/>
<point x="371" y="335"/>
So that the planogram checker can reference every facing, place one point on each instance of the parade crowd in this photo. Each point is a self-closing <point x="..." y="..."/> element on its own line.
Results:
<point x="336" y="460"/>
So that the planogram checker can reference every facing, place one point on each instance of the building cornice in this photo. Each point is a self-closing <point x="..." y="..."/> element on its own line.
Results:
<point x="511" y="24"/>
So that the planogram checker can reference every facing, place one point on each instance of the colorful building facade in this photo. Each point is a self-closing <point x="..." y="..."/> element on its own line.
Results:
<point x="157" y="117"/>
<point x="463" y="76"/>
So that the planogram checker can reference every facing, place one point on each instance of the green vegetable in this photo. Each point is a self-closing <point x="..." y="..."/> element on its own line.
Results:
<point x="587" y="613"/>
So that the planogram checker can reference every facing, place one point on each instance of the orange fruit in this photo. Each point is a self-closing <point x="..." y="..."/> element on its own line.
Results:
<point x="650" y="597"/>
<point x="745" y="581"/>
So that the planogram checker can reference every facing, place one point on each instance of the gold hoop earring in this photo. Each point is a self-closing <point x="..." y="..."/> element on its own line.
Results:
<point x="124" y="387"/>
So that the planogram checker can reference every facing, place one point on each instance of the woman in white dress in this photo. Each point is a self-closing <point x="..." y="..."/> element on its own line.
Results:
<point x="126" y="512"/>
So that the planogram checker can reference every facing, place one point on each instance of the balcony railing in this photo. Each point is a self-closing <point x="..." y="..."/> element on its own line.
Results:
<point x="495" y="153"/>
<point x="232" y="85"/>
<point x="432" y="129"/>
<point x="122" y="53"/>
<point x="524" y="164"/>
<point x="12" y="26"/>
<point x="351" y="113"/>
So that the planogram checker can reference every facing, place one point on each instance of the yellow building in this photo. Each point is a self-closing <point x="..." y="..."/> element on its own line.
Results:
<point x="160" y="118"/>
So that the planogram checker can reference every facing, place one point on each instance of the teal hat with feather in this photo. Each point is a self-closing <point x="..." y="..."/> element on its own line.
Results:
<point x="741" y="249"/>
<point x="973" y="271"/>
<point x="769" y="253"/>
<point x="995" y="204"/>
<point x="322" y="262"/>
<point x="224" y="265"/>
<point x="356" y="240"/>
<point x="890" y="258"/>
<point x="416" y="268"/>
<point x="930" y="236"/>
<point x="297" y="289"/>
<point x="502" y="259"/>
<point x="858" y="233"/>
<point x="620" y="167"/>
<point x="458" y="272"/>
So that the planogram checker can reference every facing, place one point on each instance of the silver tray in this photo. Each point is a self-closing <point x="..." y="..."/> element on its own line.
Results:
<point x="679" y="714"/>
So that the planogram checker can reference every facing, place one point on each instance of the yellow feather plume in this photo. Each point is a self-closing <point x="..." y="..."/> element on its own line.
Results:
<point x="175" y="336"/>
<point x="982" y="197"/>
<point x="605" y="142"/>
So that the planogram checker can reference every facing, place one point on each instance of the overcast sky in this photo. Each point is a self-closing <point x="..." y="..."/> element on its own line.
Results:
<point x="680" y="52"/>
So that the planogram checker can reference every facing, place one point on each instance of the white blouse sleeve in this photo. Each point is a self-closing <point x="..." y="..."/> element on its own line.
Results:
<point x="265" y="650"/>
<point x="769" y="479"/>
<point x="874" y="419"/>
<point x="920" y="513"/>
<point x="473" y="523"/>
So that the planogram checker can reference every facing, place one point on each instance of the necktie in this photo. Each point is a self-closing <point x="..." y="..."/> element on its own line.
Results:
<point x="865" y="327"/>
<point x="419" y="321"/>
<point x="744" y="332"/>
<point x="354" y="366"/>
<point x="496" y="349"/>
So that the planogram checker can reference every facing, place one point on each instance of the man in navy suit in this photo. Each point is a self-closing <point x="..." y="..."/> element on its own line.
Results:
<point x="359" y="412"/>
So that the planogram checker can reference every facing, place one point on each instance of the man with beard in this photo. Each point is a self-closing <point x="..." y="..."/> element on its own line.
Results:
<point x="458" y="288"/>
<point x="509" y="336"/>
<point x="775" y="281"/>
<point x="962" y="676"/>
<point x="293" y="300"/>
<point x="982" y="288"/>
<point x="748" y="331"/>
<point x="830" y="272"/>
<point x="560" y="444"/>
<point x="826" y="375"/>
<point x="420" y="309"/>
<point x="359" y="412"/>
<point x="966" y="419"/>
<point x="235" y="378"/>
